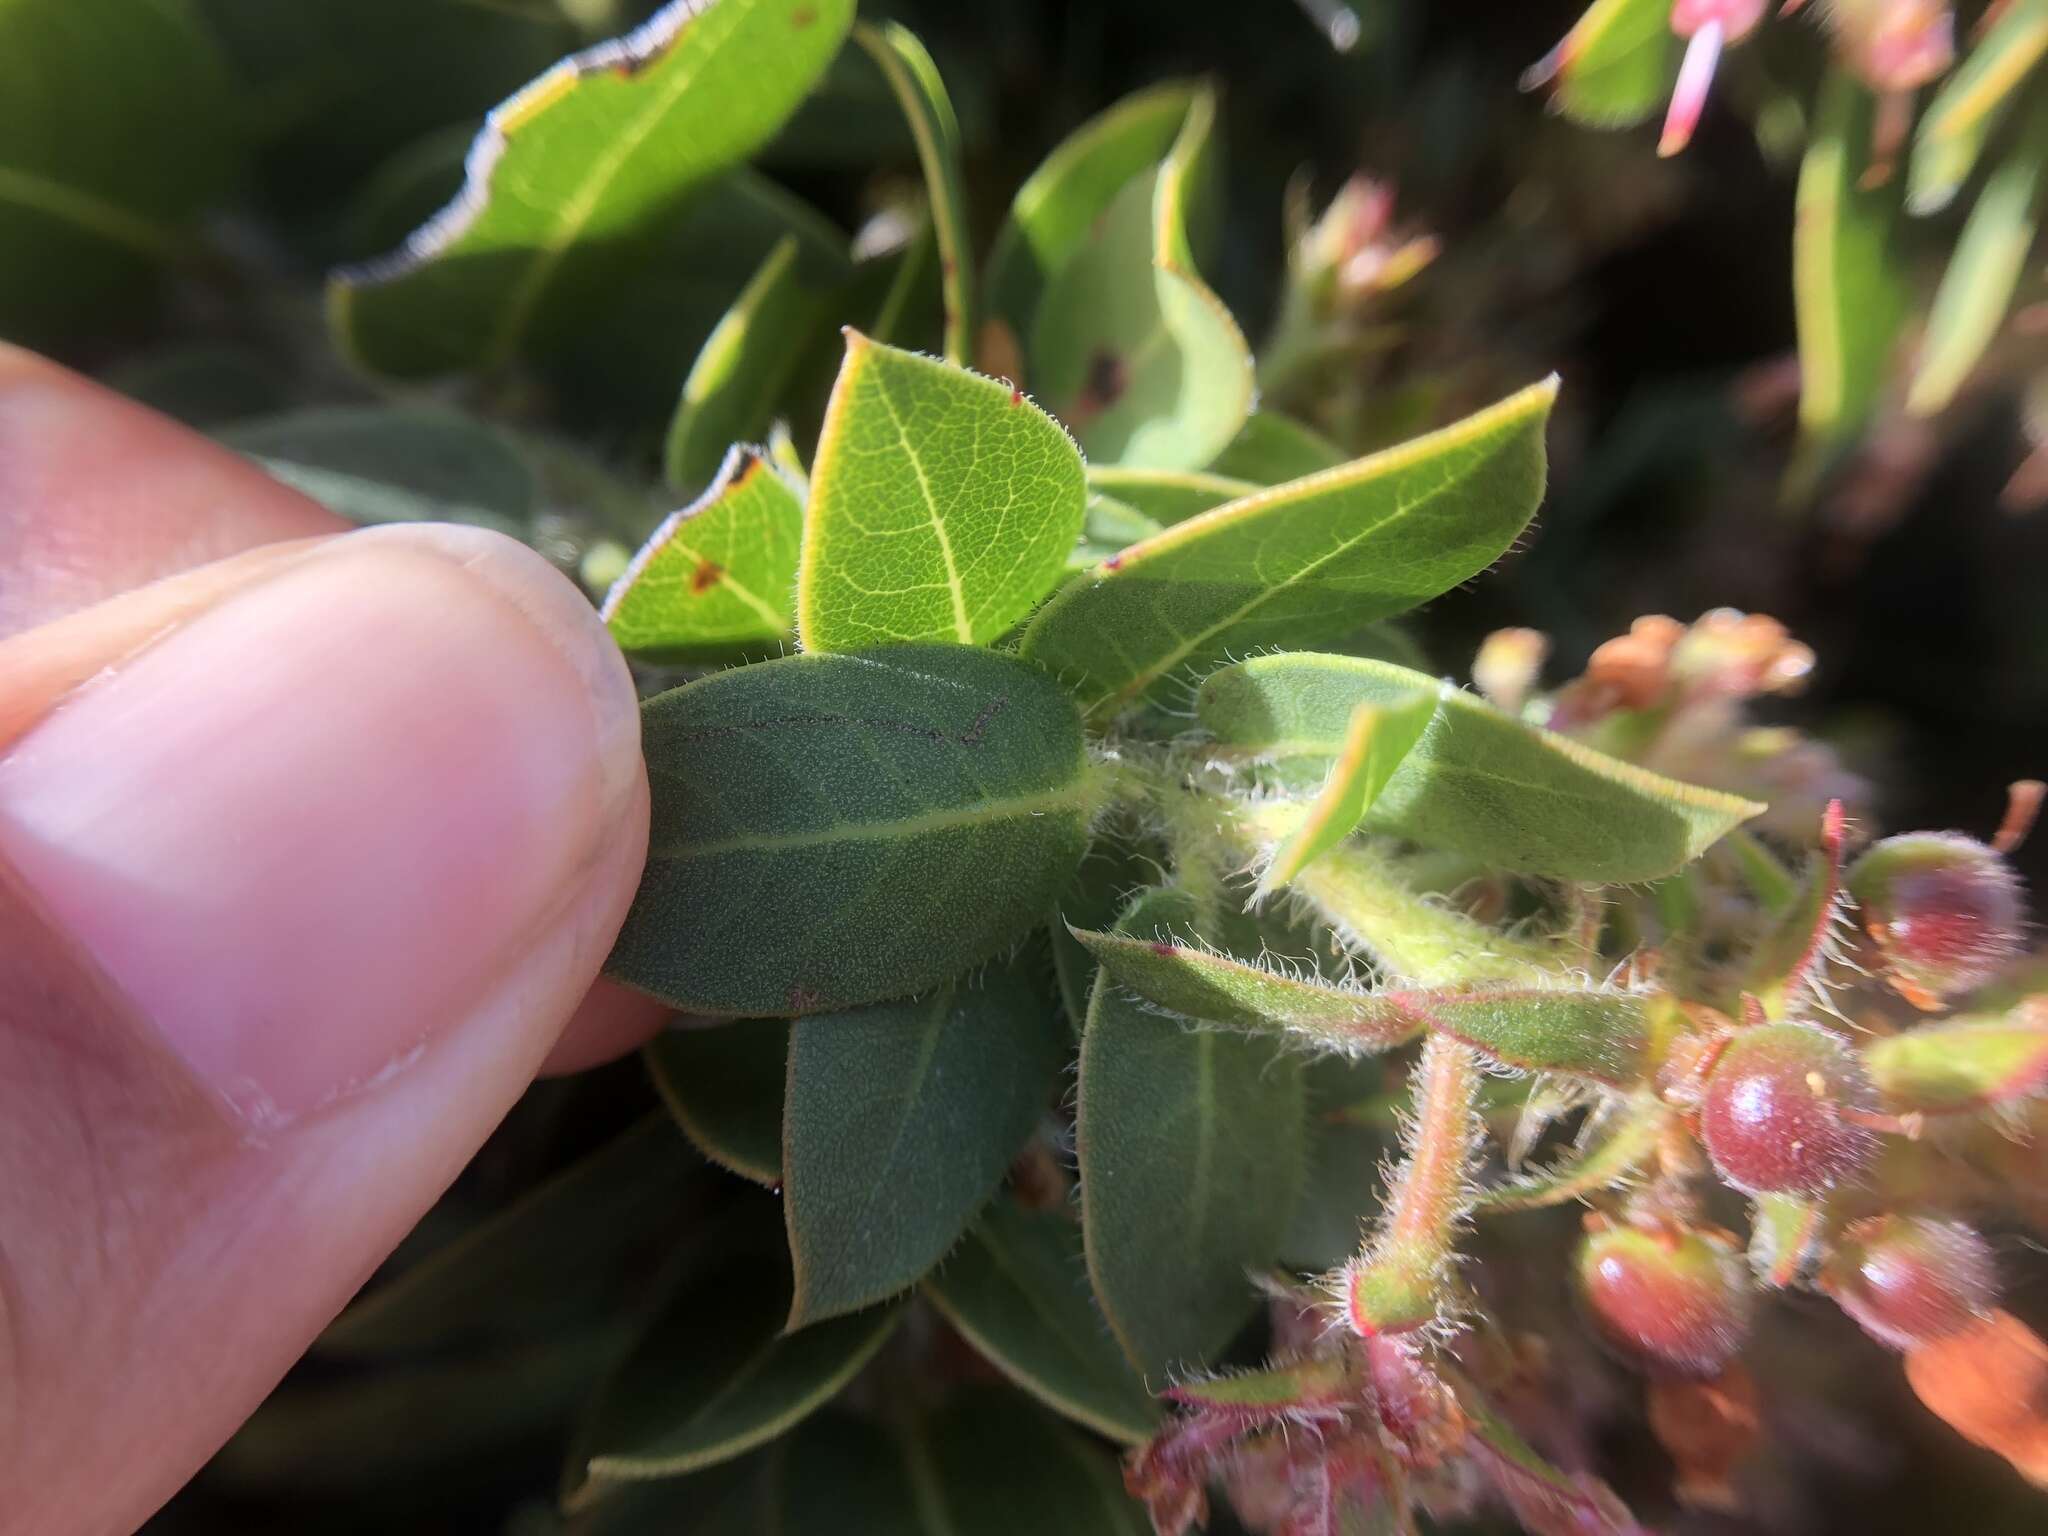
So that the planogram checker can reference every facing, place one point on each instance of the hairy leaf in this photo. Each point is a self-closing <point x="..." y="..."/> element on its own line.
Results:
<point x="715" y="1375"/>
<point x="1961" y="1064"/>
<point x="116" y="132"/>
<point x="1478" y="782"/>
<point x="1191" y="1149"/>
<point x="396" y="464"/>
<point x="900" y="1121"/>
<point x="996" y="1464"/>
<point x="1167" y="495"/>
<point x="566" y="1243"/>
<point x="1615" y="66"/>
<point x="1846" y="289"/>
<point x="1616" y="1146"/>
<point x="1017" y="1290"/>
<point x="1304" y="561"/>
<point x="575" y="171"/>
<point x="743" y="369"/>
<point x="1129" y="347"/>
<point x="1971" y="102"/>
<point x="723" y="1085"/>
<point x="943" y="505"/>
<point x="717" y="580"/>
<point x="835" y="830"/>
<point x="914" y="80"/>
<point x="1977" y="287"/>
<point x="1271" y="448"/>
<point x="1376" y="742"/>
<point x="1053" y="211"/>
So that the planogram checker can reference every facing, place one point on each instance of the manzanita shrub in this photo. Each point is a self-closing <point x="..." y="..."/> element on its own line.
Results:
<point x="1127" y="1002"/>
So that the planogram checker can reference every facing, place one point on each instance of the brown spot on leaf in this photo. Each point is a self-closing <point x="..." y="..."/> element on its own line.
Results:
<point x="802" y="17"/>
<point x="709" y="573"/>
<point x="803" y="999"/>
<point x="1102" y="386"/>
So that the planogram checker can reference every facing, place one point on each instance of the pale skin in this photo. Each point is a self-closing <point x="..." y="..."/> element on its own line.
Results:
<point x="311" y="845"/>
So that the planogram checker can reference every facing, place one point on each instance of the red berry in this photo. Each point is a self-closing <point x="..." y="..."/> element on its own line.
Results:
<point x="1778" y="1115"/>
<point x="1910" y="1279"/>
<point x="1944" y="910"/>
<point x="1674" y="1301"/>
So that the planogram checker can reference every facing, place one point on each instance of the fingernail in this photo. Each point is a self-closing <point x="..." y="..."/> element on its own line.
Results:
<point x="305" y="829"/>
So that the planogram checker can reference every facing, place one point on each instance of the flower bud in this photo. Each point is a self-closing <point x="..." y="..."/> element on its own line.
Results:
<point x="1677" y="1301"/>
<point x="1894" y="45"/>
<point x="1943" y="909"/>
<point x="1782" y="1107"/>
<point x="1909" y="1280"/>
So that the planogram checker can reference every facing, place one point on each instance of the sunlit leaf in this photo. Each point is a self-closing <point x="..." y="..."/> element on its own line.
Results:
<point x="835" y="830"/>
<point x="1017" y="1291"/>
<point x="1271" y="448"/>
<point x="943" y="505"/>
<point x="1167" y="495"/>
<point x="1615" y="67"/>
<point x="900" y="1120"/>
<point x="1478" y="781"/>
<point x="1972" y="101"/>
<point x="1108" y="525"/>
<point x="717" y="581"/>
<point x="1376" y="741"/>
<point x="1308" y="560"/>
<point x="1960" y="1064"/>
<point x="601" y="150"/>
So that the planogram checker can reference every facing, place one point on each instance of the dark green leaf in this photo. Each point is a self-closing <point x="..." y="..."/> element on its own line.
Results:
<point x="1615" y="66"/>
<point x="835" y="830"/>
<point x="115" y="135"/>
<point x="1167" y="495"/>
<point x="730" y="1499"/>
<point x="1191" y="1145"/>
<point x="901" y="1119"/>
<point x="1478" y="782"/>
<point x="724" y="1084"/>
<point x="1304" y="561"/>
<point x="1271" y="448"/>
<point x="1129" y="347"/>
<point x="203" y="386"/>
<point x="840" y="1476"/>
<point x="1971" y="102"/>
<point x="717" y="580"/>
<point x="1846" y="287"/>
<point x="540" y="1261"/>
<point x="715" y="1376"/>
<point x="1977" y="287"/>
<point x="746" y="364"/>
<point x="395" y="464"/>
<point x="1017" y="1291"/>
<point x="914" y="80"/>
<point x="993" y="1463"/>
<point x="943" y="505"/>
<point x="1053" y="211"/>
<point x="601" y="149"/>
<point x="1118" y="866"/>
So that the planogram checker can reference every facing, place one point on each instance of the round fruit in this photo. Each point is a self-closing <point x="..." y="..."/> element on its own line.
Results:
<point x="1909" y="1280"/>
<point x="1944" y="910"/>
<point x="1778" y="1114"/>
<point x="1678" y="1302"/>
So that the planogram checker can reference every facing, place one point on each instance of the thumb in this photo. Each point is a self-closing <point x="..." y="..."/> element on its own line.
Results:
<point x="305" y="858"/>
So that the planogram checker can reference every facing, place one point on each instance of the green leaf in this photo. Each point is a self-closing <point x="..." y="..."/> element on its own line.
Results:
<point x="204" y="385"/>
<point x="1376" y="742"/>
<point x="1960" y="1064"/>
<point x="1847" y="293"/>
<point x="1784" y="1236"/>
<point x="726" y="1500"/>
<point x="715" y="1375"/>
<point x="1191" y="1146"/>
<point x="1129" y="347"/>
<point x="746" y="364"/>
<point x="723" y="1085"/>
<point x="600" y="149"/>
<point x="1311" y="559"/>
<point x="1053" y="212"/>
<point x="536" y="1263"/>
<point x="1615" y="67"/>
<point x="1017" y="1291"/>
<point x="1971" y="102"/>
<point x="1107" y="526"/>
<point x="396" y="464"/>
<point x="943" y="505"/>
<point x="1271" y="1389"/>
<point x="1271" y="448"/>
<point x="1120" y="863"/>
<point x="836" y="830"/>
<point x="994" y="1463"/>
<point x="1478" y="782"/>
<point x="717" y="580"/>
<point x="1615" y="1146"/>
<point x="1167" y="495"/>
<point x="115" y="134"/>
<point x="1977" y="286"/>
<point x="837" y="1475"/>
<point x="901" y="1119"/>
<point x="914" y="80"/>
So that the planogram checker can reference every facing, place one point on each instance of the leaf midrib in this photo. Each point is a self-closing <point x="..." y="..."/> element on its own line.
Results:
<point x="1070" y="797"/>
<point x="91" y="213"/>
<point x="962" y="628"/>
